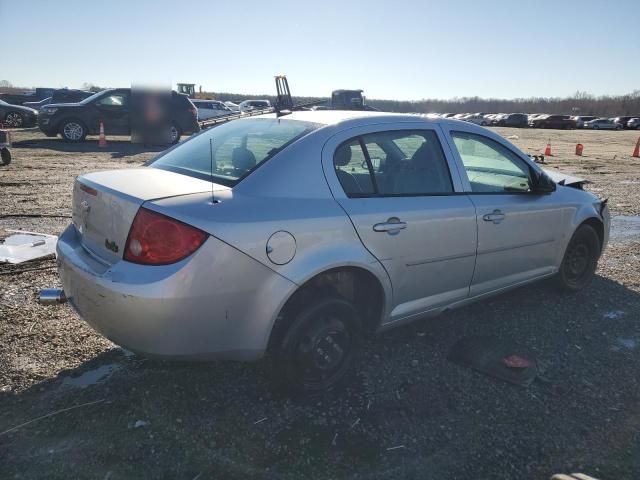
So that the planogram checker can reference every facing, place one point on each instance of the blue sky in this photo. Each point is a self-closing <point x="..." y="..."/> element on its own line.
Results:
<point x="402" y="49"/>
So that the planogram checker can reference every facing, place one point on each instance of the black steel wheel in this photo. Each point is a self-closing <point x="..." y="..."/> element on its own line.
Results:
<point x="318" y="348"/>
<point x="5" y="156"/>
<point x="580" y="259"/>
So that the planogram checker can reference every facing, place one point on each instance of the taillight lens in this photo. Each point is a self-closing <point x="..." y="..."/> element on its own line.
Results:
<point x="194" y="112"/>
<point x="155" y="239"/>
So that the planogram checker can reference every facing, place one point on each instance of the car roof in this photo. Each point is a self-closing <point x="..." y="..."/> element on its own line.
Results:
<point x="356" y="117"/>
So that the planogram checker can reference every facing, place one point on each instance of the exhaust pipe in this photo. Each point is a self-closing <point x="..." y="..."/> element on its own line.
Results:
<point x="51" y="296"/>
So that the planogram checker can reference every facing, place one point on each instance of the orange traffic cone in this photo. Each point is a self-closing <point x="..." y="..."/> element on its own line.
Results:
<point x="102" y="143"/>
<point x="579" y="148"/>
<point x="636" y="151"/>
<point x="547" y="151"/>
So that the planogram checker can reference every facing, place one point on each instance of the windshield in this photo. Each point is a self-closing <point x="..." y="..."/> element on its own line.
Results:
<point x="228" y="153"/>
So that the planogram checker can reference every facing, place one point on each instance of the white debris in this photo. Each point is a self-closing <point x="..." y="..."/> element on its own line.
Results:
<point x="24" y="246"/>
<point x="614" y="314"/>
<point x="140" y="424"/>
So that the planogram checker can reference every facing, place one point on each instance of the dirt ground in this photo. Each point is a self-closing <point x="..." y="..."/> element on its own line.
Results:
<point x="409" y="413"/>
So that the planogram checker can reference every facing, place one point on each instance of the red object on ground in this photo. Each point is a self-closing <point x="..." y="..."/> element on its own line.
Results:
<point x="579" y="148"/>
<point x="102" y="142"/>
<point x="636" y="151"/>
<point x="547" y="151"/>
<point x="514" y="361"/>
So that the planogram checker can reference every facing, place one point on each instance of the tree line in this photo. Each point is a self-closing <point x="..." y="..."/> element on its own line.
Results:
<point x="581" y="103"/>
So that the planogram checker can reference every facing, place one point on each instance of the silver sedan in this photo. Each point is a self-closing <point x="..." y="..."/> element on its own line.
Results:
<point x="292" y="237"/>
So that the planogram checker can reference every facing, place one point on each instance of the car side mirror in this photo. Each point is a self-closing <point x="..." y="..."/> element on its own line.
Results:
<point x="542" y="183"/>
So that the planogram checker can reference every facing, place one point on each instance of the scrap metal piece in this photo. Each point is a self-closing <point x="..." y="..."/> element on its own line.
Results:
<point x="25" y="246"/>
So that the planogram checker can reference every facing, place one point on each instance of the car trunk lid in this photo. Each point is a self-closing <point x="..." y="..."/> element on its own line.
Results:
<point x="105" y="204"/>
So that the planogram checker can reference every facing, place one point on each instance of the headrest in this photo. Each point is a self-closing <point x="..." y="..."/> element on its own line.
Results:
<point x="342" y="156"/>
<point x="243" y="159"/>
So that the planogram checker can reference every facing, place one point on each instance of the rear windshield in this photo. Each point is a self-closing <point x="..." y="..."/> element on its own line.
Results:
<point x="228" y="153"/>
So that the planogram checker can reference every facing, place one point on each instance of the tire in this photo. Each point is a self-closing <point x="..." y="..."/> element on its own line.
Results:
<point x="14" y="119"/>
<point x="72" y="130"/>
<point x="580" y="260"/>
<point x="173" y="134"/>
<point x="596" y="127"/>
<point x="5" y="156"/>
<point x="317" y="349"/>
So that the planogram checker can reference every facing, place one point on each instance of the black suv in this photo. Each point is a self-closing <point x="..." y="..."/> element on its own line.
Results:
<point x="117" y="111"/>
<point x="519" y="120"/>
<point x="553" y="121"/>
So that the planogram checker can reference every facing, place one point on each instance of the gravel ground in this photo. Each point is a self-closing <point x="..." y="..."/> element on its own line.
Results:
<point x="409" y="413"/>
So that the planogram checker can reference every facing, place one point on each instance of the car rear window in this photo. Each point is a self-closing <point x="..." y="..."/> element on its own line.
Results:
<point x="228" y="153"/>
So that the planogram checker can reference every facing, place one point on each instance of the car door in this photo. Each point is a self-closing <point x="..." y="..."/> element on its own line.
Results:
<point x="519" y="231"/>
<point x="113" y="111"/>
<point x="396" y="184"/>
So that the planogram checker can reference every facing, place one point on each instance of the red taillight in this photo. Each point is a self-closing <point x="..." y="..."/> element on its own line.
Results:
<point x="155" y="239"/>
<point x="194" y="112"/>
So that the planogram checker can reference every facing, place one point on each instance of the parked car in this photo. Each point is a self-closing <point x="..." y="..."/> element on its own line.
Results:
<point x="62" y="95"/>
<point x="250" y="105"/>
<point x="634" y="124"/>
<point x="518" y="120"/>
<point x="233" y="106"/>
<point x="581" y="119"/>
<point x="28" y="96"/>
<point x="553" y="121"/>
<point x="294" y="236"/>
<point x="475" y="118"/>
<point x="602" y="124"/>
<point x="211" y="109"/>
<point x="623" y="120"/>
<point x="17" y="115"/>
<point x="74" y="121"/>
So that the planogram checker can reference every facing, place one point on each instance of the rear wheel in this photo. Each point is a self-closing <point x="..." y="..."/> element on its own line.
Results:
<point x="317" y="350"/>
<point x="13" y="119"/>
<point x="580" y="260"/>
<point x="173" y="134"/>
<point x="73" y="130"/>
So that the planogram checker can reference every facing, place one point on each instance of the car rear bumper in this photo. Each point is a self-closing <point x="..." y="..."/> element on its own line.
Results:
<point x="217" y="303"/>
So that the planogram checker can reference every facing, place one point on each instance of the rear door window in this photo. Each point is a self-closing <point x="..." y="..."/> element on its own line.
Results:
<point x="393" y="163"/>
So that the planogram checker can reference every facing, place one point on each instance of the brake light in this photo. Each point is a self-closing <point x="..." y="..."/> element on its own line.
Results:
<point x="194" y="112"/>
<point x="155" y="239"/>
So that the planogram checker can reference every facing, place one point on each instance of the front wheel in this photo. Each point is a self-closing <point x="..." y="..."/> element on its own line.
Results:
<point x="73" y="131"/>
<point x="318" y="348"/>
<point x="13" y="119"/>
<point x="580" y="260"/>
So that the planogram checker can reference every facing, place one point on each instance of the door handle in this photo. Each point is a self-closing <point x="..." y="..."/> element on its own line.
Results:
<point x="391" y="226"/>
<point x="496" y="217"/>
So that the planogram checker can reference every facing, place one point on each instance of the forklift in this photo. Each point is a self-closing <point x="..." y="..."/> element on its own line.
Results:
<point x="188" y="89"/>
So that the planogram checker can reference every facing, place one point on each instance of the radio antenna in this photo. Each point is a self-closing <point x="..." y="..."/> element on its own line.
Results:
<point x="211" y="163"/>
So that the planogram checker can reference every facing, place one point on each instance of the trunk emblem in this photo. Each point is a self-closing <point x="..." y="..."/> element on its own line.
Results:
<point x="111" y="245"/>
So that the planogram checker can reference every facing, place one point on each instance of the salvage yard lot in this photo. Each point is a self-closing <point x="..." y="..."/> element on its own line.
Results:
<point x="409" y="413"/>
